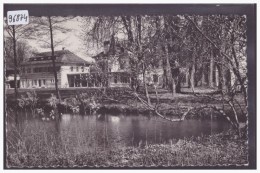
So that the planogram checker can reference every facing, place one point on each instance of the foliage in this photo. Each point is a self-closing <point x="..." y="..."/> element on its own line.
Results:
<point x="53" y="101"/>
<point x="30" y="99"/>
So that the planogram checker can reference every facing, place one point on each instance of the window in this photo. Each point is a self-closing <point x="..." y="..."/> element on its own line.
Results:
<point x="35" y="70"/>
<point x="45" y="69"/>
<point x="155" y="78"/>
<point x="44" y="82"/>
<point x="71" y="69"/>
<point x="122" y="64"/>
<point x="52" y="80"/>
<point x="77" y="69"/>
<point x="124" y="79"/>
<point x="115" y="78"/>
<point x="23" y="70"/>
<point x="82" y="69"/>
<point x="49" y="69"/>
<point x="28" y="70"/>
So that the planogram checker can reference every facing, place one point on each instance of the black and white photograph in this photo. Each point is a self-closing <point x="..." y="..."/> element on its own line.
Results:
<point x="96" y="86"/>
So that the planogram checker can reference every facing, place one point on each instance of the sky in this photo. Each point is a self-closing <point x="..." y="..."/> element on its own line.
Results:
<point x="72" y="40"/>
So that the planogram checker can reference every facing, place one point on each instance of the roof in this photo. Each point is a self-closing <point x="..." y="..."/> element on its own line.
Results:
<point x="61" y="57"/>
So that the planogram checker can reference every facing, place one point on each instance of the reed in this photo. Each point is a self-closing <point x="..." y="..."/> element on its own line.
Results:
<point x="46" y="145"/>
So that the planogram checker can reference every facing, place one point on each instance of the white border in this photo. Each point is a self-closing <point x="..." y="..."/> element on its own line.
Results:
<point x="112" y="2"/>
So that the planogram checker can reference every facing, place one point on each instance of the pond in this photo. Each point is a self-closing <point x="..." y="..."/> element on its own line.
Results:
<point x="106" y="130"/>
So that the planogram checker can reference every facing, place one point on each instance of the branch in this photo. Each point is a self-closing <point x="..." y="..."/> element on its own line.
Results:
<point x="150" y="107"/>
<point x="60" y="21"/>
<point x="208" y="39"/>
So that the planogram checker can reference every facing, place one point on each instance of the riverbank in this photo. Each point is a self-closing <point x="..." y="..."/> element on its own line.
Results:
<point x="119" y="100"/>
<point x="49" y="144"/>
<point x="215" y="150"/>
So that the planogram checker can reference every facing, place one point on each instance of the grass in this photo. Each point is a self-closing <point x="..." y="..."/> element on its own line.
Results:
<point x="38" y="148"/>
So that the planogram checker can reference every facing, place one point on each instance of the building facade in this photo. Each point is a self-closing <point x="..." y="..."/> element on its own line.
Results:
<point x="113" y="66"/>
<point x="37" y="72"/>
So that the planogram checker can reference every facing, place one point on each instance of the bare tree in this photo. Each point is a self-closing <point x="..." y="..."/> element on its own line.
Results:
<point x="23" y="49"/>
<point x="15" y="33"/>
<point x="45" y="30"/>
<point x="192" y="42"/>
<point x="232" y="51"/>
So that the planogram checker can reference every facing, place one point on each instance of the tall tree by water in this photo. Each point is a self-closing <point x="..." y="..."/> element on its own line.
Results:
<point x="15" y="33"/>
<point x="46" y="28"/>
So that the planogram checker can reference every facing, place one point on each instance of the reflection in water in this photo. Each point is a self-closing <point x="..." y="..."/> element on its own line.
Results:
<point x="66" y="118"/>
<point x="114" y="119"/>
<point x="129" y="130"/>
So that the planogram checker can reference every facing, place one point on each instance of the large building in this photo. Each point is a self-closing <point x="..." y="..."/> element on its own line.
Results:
<point x="37" y="72"/>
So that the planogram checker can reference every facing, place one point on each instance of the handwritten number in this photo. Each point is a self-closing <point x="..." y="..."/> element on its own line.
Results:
<point x="14" y="18"/>
<point x="25" y="17"/>
<point x="10" y="18"/>
<point x="18" y="18"/>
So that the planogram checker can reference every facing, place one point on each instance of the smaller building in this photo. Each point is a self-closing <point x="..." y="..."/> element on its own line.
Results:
<point x="112" y="65"/>
<point x="9" y="77"/>
<point x="37" y="72"/>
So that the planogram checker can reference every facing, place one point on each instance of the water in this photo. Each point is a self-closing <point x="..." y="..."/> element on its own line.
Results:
<point x="130" y="130"/>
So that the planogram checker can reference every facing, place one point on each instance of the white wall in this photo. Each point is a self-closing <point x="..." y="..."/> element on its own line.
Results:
<point x="114" y="64"/>
<point x="65" y="70"/>
<point x="149" y="75"/>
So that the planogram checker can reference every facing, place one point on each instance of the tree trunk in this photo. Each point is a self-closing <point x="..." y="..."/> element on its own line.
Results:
<point x="53" y="62"/>
<point x="223" y="76"/>
<point x="15" y="75"/>
<point x="219" y="76"/>
<point x="235" y="70"/>
<point x="133" y="64"/>
<point x="192" y="73"/>
<point x="170" y="82"/>
<point x="145" y="86"/>
<point x="203" y="79"/>
<point x="178" y="85"/>
<point x="192" y="77"/>
<point x="211" y="69"/>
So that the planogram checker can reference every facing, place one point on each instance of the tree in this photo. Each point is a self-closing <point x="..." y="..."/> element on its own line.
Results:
<point x="45" y="30"/>
<point x="23" y="49"/>
<point x="229" y="53"/>
<point x="199" y="43"/>
<point x="15" y="33"/>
